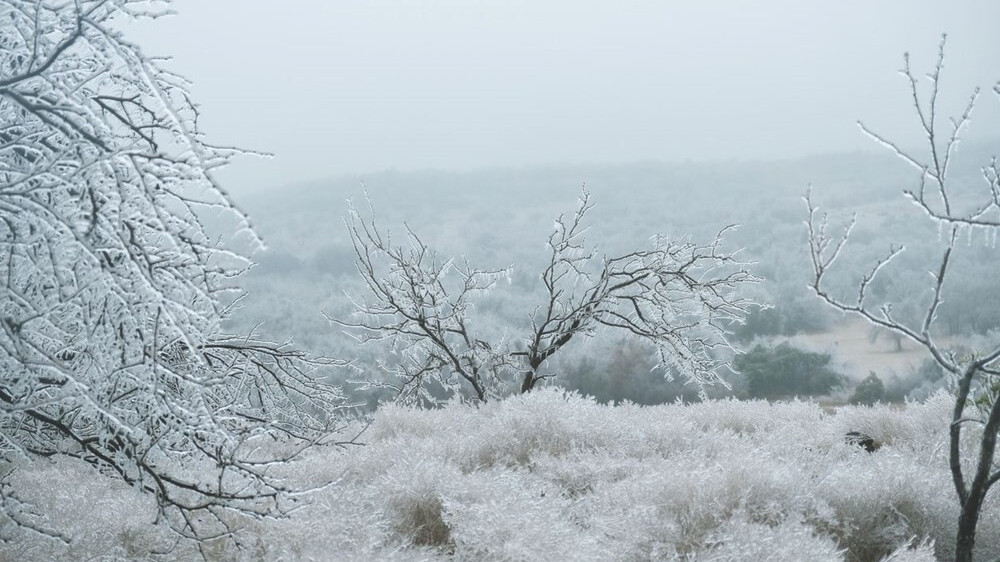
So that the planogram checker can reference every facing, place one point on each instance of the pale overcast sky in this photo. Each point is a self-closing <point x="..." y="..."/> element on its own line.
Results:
<point x="353" y="86"/>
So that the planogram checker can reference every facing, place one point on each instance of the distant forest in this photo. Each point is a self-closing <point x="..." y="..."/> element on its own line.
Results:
<point x="501" y="217"/>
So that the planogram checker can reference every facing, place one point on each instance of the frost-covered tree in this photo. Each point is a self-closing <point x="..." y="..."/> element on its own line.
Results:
<point x="680" y="296"/>
<point x="959" y="214"/>
<point x="112" y="287"/>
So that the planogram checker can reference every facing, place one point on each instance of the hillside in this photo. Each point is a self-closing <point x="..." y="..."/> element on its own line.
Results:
<point x="501" y="217"/>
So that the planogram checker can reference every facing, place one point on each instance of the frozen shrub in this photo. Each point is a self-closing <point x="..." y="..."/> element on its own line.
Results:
<point x="99" y="515"/>
<point x="412" y="493"/>
<point x="498" y="514"/>
<point x="910" y="552"/>
<point x="740" y="540"/>
<point x="553" y="476"/>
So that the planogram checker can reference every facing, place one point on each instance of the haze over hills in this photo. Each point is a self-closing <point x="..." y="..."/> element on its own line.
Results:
<point x="501" y="217"/>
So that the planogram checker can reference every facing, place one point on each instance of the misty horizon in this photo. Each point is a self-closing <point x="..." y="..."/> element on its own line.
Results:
<point x="355" y="88"/>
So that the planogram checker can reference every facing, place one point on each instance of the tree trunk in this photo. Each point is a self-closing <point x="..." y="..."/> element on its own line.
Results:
<point x="980" y="486"/>
<point x="529" y="382"/>
<point x="967" y="529"/>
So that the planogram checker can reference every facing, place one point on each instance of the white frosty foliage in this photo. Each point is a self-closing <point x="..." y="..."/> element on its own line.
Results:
<point x="679" y="296"/>
<point x="909" y="552"/>
<point x="550" y="476"/>
<point x="111" y="287"/>
<point x="742" y="540"/>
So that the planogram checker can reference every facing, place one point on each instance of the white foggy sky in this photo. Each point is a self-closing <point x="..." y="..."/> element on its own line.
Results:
<point x="351" y="86"/>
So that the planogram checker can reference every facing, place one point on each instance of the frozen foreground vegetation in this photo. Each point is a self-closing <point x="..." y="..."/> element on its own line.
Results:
<point x="556" y="476"/>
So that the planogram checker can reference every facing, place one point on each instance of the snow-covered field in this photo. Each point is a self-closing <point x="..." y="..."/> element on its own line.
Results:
<point x="551" y="476"/>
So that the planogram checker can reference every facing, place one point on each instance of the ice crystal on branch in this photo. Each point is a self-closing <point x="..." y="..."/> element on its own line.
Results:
<point x="113" y="289"/>
<point x="937" y="197"/>
<point x="679" y="296"/>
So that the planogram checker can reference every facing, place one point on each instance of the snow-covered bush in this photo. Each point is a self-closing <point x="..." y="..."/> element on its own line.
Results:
<point x="554" y="476"/>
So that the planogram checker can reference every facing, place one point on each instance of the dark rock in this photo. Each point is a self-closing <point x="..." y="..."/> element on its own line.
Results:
<point x="862" y="440"/>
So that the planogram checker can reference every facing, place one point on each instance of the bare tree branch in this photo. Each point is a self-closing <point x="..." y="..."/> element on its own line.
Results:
<point x="679" y="296"/>
<point x="419" y="304"/>
<point x="974" y="389"/>
<point x="112" y="289"/>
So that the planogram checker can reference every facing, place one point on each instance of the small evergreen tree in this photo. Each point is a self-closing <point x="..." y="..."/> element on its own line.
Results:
<point x="869" y="391"/>
<point x="785" y="371"/>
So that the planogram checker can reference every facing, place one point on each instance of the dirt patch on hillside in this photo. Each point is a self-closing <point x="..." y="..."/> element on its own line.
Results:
<point x="855" y="352"/>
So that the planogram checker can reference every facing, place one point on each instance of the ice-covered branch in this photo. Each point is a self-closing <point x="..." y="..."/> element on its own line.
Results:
<point x="679" y="296"/>
<point x="419" y="302"/>
<point x="973" y="372"/>
<point x="113" y="287"/>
